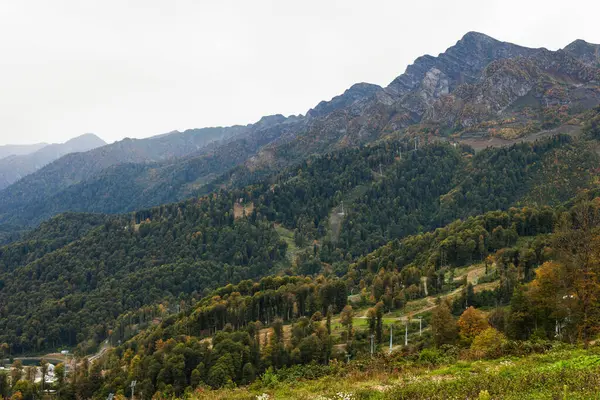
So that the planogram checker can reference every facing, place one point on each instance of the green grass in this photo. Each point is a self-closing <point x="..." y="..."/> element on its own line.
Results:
<point x="360" y="324"/>
<point x="569" y="373"/>
<point x="288" y="237"/>
<point x="411" y="307"/>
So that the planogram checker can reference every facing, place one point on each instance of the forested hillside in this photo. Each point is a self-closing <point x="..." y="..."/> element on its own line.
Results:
<point x="274" y="326"/>
<point x="48" y="237"/>
<point x="40" y="186"/>
<point x="80" y="272"/>
<point x="128" y="186"/>
<point x="61" y="295"/>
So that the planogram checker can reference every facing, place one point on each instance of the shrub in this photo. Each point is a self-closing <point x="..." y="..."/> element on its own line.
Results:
<point x="269" y="378"/>
<point x="488" y="343"/>
<point x="431" y="357"/>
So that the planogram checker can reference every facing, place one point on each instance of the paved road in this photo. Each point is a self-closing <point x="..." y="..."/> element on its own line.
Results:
<point x="56" y="358"/>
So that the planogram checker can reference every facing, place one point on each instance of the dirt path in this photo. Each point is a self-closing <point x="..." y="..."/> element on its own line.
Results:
<point x="472" y="273"/>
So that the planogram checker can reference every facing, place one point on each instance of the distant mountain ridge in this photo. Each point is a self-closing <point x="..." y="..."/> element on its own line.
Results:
<point x="15" y="167"/>
<point x="76" y="167"/>
<point x="480" y="87"/>
<point x="19" y="149"/>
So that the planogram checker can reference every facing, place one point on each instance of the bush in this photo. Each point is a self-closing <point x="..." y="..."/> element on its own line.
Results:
<point x="431" y="356"/>
<point x="298" y="372"/>
<point x="522" y="348"/>
<point x="269" y="378"/>
<point x="488" y="344"/>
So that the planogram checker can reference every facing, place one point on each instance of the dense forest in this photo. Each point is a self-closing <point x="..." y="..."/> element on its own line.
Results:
<point x="272" y="327"/>
<point x="81" y="271"/>
<point x="123" y="264"/>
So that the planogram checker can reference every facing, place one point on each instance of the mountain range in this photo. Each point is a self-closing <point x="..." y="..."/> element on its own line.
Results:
<point x="19" y="149"/>
<point x="17" y="166"/>
<point x="479" y="89"/>
<point x="209" y="257"/>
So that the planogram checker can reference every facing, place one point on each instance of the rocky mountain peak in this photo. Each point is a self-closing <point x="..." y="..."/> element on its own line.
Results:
<point x="270" y="120"/>
<point x="461" y="63"/>
<point x="355" y="94"/>
<point x="477" y="38"/>
<point x="588" y="53"/>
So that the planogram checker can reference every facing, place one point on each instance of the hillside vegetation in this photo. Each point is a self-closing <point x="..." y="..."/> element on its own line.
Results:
<point x="176" y="252"/>
<point x="291" y="336"/>
<point x="362" y="251"/>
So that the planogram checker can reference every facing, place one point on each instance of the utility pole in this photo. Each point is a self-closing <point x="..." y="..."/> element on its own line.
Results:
<point x="406" y="333"/>
<point x="66" y="354"/>
<point x="133" y="383"/>
<point x="391" y="337"/>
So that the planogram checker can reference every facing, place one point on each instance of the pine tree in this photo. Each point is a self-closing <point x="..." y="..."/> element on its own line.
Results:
<point x="372" y="319"/>
<point x="329" y="315"/>
<point x="379" y="314"/>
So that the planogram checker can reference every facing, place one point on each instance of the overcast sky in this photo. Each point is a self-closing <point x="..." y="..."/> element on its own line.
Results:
<point x="139" y="68"/>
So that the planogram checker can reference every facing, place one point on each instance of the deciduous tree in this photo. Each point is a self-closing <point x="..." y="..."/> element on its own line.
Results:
<point x="471" y="323"/>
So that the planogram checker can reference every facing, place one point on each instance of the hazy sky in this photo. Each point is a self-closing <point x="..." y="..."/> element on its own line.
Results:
<point x="139" y="68"/>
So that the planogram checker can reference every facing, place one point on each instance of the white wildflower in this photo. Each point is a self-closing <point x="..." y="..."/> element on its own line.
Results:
<point x="337" y="396"/>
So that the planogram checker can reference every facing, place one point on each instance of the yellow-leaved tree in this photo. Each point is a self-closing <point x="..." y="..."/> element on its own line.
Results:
<point x="471" y="323"/>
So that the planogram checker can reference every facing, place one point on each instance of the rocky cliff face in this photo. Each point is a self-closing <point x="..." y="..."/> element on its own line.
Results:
<point x="352" y="99"/>
<point x="542" y="80"/>
<point x="477" y="79"/>
<point x="478" y="85"/>
<point x="461" y="63"/>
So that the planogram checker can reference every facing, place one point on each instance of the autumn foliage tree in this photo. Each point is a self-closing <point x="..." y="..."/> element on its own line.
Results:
<point x="550" y="296"/>
<point x="471" y="323"/>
